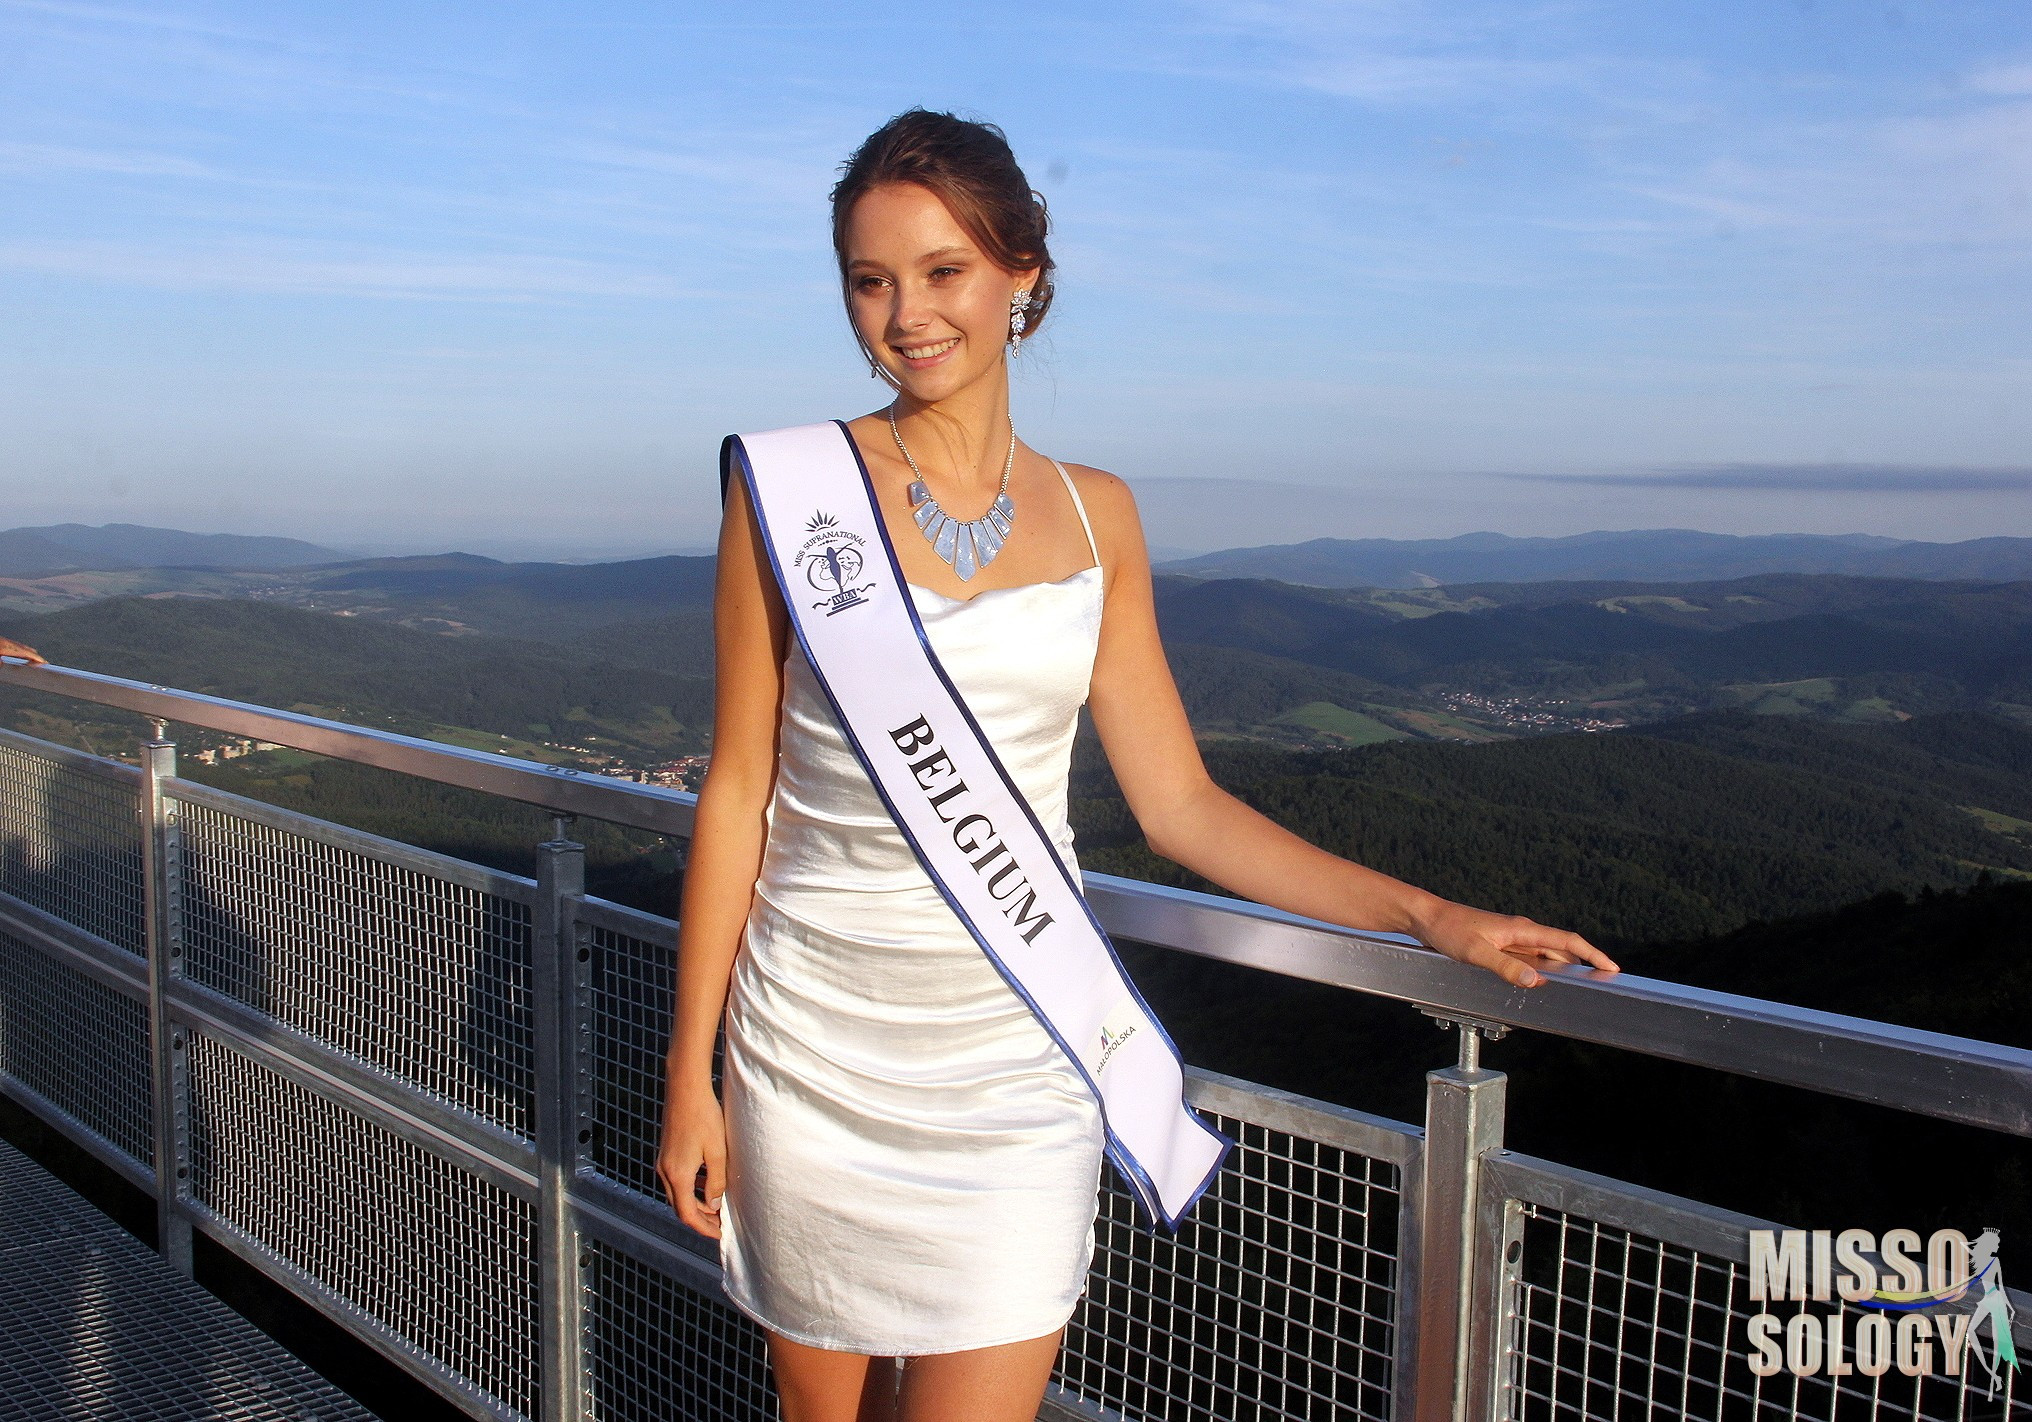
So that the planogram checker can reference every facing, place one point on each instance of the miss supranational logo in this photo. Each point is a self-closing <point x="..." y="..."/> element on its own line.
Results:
<point x="1922" y="1312"/>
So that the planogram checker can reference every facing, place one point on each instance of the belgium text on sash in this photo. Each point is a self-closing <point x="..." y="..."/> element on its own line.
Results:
<point x="970" y="827"/>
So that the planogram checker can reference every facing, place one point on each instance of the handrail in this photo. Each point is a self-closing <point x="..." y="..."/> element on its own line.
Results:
<point x="552" y="787"/>
<point x="1933" y="1074"/>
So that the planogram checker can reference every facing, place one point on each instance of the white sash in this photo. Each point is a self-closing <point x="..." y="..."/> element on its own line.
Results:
<point x="970" y="827"/>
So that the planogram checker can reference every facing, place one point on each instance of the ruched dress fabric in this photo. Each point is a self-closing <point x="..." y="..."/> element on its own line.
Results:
<point x="912" y="1160"/>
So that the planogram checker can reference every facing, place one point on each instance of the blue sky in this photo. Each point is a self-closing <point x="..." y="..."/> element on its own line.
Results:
<point x="500" y="276"/>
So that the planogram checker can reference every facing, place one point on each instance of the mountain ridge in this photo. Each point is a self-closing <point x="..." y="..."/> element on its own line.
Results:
<point x="1654" y="555"/>
<point x="50" y="549"/>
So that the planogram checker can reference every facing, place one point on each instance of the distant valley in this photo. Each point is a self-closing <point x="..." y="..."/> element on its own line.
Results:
<point x="1260" y="660"/>
<point x="1757" y="747"/>
<point x="1650" y="555"/>
<point x="1529" y="658"/>
<point x="1811" y="786"/>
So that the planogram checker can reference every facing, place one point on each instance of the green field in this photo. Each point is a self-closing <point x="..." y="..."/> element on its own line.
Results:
<point x="1356" y="728"/>
<point x="1625" y="603"/>
<point x="1786" y="698"/>
<point x="2001" y="823"/>
<point x="1445" y="726"/>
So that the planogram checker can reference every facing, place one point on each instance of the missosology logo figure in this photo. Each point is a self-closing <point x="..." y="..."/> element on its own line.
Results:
<point x="1895" y="1314"/>
<point x="1991" y="1313"/>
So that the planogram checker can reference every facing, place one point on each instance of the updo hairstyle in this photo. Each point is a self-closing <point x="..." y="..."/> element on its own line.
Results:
<point x="971" y="169"/>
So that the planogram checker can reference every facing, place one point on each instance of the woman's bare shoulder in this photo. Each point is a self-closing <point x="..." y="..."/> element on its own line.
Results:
<point x="1109" y="502"/>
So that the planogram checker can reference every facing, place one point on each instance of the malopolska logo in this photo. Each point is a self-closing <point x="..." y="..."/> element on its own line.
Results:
<point x="1119" y="1026"/>
<point x="832" y="563"/>
<point x="1919" y="1319"/>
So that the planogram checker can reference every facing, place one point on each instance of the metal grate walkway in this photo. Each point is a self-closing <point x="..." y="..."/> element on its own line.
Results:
<point x="94" y="1325"/>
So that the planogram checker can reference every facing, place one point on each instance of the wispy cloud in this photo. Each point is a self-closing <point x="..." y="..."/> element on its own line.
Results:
<point x="1808" y="478"/>
<point x="2002" y="79"/>
<point x="1927" y="178"/>
<point x="308" y="269"/>
<point x="33" y="158"/>
<point x="1322" y="239"/>
<point x="732" y="166"/>
<point x="123" y="16"/>
<point x="1407" y="53"/>
<point x="274" y="68"/>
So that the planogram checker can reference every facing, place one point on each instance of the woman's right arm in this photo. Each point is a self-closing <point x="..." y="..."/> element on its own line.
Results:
<point x="749" y="632"/>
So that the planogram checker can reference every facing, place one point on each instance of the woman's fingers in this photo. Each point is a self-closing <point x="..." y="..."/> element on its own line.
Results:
<point x="678" y="1171"/>
<point x="1579" y="950"/>
<point x="10" y="648"/>
<point x="1505" y="965"/>
<point x="1558" y="945"/>
<point x="715" y="1183"/>
<point x="695" y="1215"/>
<point x="689" y="1173"/>
<point x="701" y="1217"/>
<point x="1508" y="945"/>
<point x="666" y="1170"/>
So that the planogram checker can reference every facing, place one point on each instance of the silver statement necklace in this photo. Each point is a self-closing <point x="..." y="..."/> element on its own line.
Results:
<point x="968" y="544"/>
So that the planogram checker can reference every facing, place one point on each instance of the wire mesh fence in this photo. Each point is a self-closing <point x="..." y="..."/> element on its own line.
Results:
<point x="382" y="998"/>
<point x="72" y="843"/>
<point x="413" y="963"/>
<point x="660" y="1350"/>
<point x="1608" y="1323"/>
<point x="1277" y="1298"/>
<point x="79" y="1045"/>
<point x="439" y="1259"/>
<point x="633" y="962"/>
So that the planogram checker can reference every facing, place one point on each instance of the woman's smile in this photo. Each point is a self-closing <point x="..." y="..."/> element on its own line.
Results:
<point x="924" y="357"/>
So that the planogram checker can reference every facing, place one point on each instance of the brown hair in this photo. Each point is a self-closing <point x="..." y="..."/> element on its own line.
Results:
<point x="970" y="168"/>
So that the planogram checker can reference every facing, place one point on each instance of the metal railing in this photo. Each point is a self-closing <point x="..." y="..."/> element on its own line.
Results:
<point x="423" y="1096"/>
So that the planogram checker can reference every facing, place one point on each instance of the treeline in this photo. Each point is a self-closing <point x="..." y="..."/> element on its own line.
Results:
<point x="1694" y="829"/>
<point x="377" y="673"/>
<point x="1949" y="644"/>
<point x="1226" y="688"/>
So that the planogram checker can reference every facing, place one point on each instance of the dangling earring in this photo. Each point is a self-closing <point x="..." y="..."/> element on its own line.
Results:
<point x="1018" y="304"/>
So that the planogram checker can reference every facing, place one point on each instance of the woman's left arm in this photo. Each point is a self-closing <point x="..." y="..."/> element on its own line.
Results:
<point x="1187" y="818"/>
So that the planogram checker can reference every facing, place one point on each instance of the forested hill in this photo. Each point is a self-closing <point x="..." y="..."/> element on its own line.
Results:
<point x="74" y="547"/>
<point x="528" y="599"/>
<point x="1694" y="827"/>
<point x="528" y="697"/>
<point x="1672" y="554"/>
<point x="1836" y="647"/>
<point x="1269" y="661"/>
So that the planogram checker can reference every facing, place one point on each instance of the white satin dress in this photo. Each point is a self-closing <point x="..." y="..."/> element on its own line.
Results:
<point x="912" y="1161"/>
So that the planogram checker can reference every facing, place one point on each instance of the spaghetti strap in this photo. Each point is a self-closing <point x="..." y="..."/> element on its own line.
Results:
<point x="1092" y="547"/>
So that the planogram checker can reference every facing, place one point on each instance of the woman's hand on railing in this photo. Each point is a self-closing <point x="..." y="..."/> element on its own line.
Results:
<point x="1506" y="944"/>
<point x="16" y="649"/>
<point x="694" y="1145"/>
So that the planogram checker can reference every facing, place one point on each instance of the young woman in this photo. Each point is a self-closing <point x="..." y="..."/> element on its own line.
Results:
<point x="906" y="1164"/>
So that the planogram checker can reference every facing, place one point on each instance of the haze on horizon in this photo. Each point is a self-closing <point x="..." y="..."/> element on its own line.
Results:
<point x="414" y="277"/>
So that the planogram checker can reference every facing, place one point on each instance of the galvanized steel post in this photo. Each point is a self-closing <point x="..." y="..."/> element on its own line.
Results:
<point x="1495" y="1342"/>
<point x="555" y="980"/>
<point x="168" y="1055"/>
<point x="1463" y="1123"/>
